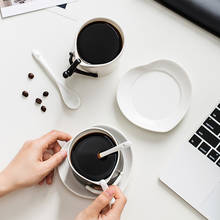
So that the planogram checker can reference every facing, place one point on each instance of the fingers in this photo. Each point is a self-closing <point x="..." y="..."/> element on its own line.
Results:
<point x="49" y="178"/>
<point x="54" y="161"/>
<point x="41" y="182"/>
<point x="51" y="137"/>
<point x="100" y="202"/>
<point x="46" y="156"/>
<point x="105" y="210"/>
<point x="49" y="170"/>
<point x="56" y="147"/>
<point x="120" y="200"/>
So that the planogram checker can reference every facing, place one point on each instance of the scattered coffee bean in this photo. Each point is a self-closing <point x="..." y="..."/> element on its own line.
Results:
<point x="45" y="93"/>
<point x="30" y="75"/>
<point x="43" y="108"/>
<point x="38" y="101"/>
<point x="25" y="93"/>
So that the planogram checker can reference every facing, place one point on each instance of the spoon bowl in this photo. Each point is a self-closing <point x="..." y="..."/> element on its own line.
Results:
<point x="70" y="98"/>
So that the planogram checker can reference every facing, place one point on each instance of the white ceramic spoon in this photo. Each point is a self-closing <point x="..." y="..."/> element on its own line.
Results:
<point x="114" y="149"/>
<point x="70" y="98"/>
<point x="104" y="186"/>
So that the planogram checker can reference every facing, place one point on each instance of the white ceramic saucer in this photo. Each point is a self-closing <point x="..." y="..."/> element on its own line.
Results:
<point x="72" y="184"/>
<point x="155" y="96"/>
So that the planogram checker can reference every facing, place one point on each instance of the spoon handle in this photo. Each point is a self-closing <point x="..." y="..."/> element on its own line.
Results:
<point x="114" y="149"/>
<point x="36" y="54"/>
<point x="104" y="186"/>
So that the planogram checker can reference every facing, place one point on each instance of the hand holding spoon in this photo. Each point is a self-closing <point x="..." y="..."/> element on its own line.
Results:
<point x="104" y="186"/>
<point x="69" y="97"/>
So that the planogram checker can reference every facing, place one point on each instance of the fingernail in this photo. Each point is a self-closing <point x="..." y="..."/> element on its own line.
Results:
<point x="63" y="152"/>
<point x="110" y="192"/>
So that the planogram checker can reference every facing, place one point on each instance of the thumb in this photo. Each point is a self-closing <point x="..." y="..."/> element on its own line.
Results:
<point x="55" y="160"/>
<point x="100" y="202"/>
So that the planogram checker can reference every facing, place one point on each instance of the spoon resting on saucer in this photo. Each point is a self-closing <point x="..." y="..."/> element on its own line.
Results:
<point x="70" y="98"/>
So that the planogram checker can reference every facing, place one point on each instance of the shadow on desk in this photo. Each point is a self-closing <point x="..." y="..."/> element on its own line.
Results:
<point x="42" y="202"/>
<point x="69" y="205"/>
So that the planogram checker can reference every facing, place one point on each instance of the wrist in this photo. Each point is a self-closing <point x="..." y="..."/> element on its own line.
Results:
<point x="6" y="185"/>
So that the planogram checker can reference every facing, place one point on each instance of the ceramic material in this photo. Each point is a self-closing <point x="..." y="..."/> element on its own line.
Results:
<point x="105" y="186"/>
<point x="114" y="149"/>
<point x="155" y="96"/>
<point x="70" y="98"/>
<point x="81" y="190"/>
<point x="72" y="143"/>
<point x="100" y="69"/>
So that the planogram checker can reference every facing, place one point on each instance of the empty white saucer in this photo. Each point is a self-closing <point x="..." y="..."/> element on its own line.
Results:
<point x="74" y="186"/>
<point x="155" y="96"/>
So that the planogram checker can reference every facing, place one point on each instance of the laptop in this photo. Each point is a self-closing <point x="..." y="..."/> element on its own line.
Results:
<point x="194" y="173"/>
<point x="205" y="13"/>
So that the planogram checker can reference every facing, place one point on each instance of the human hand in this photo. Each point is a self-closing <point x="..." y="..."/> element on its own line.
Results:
<point x="100" y="210"/>
<point x="35" y="162"/>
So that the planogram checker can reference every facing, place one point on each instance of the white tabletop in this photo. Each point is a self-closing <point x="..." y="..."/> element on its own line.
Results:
<point x="152" y="32"/>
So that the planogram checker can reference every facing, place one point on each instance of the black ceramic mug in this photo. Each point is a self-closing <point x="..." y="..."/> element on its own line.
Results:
<point x="83" y="159"/>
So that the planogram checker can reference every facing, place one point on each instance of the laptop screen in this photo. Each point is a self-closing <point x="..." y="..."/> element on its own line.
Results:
<point x="205" y="13"/>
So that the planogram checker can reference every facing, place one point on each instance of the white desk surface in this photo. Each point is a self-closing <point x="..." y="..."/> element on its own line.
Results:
<point x="152" y="32"/>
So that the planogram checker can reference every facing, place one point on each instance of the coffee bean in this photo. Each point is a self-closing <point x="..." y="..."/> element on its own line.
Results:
<point x="43" y="108"/>
<point x="45" y="93"/>
<point x="25" y="93"/>
<point x="38" y="101"/>
<point x="30" y="75"/>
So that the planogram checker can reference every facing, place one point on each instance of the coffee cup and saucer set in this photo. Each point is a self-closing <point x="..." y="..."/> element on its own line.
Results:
<point x="154" y="96"/>
<point x="82" y="171"/>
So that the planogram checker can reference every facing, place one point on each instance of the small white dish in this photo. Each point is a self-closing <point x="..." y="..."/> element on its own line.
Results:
<point x="74" y="186"/>
<point x="155" y="96"/>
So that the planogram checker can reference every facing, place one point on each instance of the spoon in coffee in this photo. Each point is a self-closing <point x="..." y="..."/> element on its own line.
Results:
<point x="114" y="149"/>
<point x="70" y="98"/>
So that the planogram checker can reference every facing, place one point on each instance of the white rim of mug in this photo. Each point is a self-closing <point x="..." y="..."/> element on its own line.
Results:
<point x="108" y="20"/>
<point x="82" y="134"/>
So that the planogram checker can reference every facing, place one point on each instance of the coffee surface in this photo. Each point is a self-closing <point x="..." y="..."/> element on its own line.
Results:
<point x="99" y="43"/>
<point x="84" y="156"/>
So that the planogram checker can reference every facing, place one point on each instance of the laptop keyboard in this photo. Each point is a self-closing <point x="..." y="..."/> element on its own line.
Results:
<point x="207" y="138"/>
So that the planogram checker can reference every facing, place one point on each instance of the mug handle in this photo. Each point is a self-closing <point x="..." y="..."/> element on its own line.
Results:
<point x="73" y="68"/>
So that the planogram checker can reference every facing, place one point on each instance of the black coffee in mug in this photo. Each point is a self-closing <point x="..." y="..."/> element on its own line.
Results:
<point x="84" y="156"/>
<point x="99" y="42"/>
